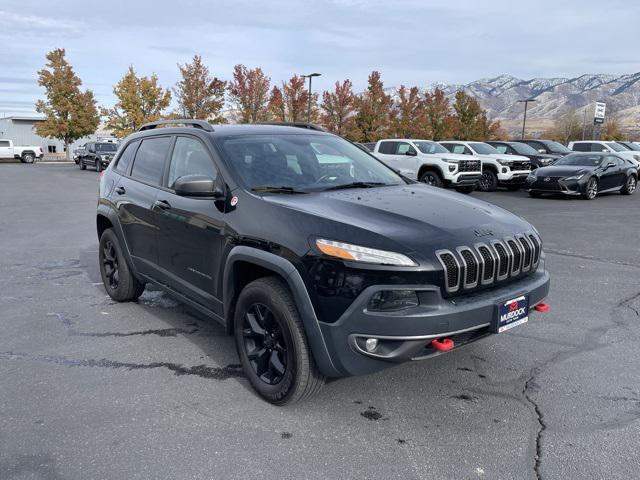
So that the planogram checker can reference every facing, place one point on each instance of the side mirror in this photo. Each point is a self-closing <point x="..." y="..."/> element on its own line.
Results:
<point x="541" y="150"/>
<point x="411" y="153"/>
<point x="197" y="186"/>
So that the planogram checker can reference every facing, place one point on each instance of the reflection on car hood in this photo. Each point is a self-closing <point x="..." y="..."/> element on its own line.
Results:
<point x="562" y="170"/>
<point x="419" y="217"/>
<point x="515" y="158"/>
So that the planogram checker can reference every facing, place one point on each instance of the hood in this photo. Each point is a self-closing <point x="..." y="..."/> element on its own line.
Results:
<point x="562" y="170"/>
<point x="456" y="156"/>
<point x="513" y="158"/>
<point x="411" y="218"/>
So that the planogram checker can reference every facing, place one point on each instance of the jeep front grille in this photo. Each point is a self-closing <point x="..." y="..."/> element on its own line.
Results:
<point x="467" y="267"/>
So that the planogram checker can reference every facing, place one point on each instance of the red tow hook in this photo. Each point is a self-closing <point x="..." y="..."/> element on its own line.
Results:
<point x="542" y="307"/>
<point x="443" y="345"/>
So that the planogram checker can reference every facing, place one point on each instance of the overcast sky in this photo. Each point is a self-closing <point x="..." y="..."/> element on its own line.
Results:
<point x="415" y="42"/>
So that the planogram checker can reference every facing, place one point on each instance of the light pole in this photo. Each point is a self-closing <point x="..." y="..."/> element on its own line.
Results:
<point x="310" y="76"/>
<point x="524" y="120"/>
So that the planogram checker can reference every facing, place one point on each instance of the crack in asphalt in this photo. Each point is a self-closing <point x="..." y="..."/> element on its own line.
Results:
<point x="203" y="371"/>
<point x="163" y="332"/>
<point x="564" y="253"/>
<point x="542" y="426"/>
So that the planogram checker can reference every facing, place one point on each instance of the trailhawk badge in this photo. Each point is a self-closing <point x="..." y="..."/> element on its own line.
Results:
<point x="512" y="313"/>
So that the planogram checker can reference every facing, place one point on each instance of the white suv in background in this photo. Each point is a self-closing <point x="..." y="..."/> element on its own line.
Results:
<point x="608" y="147"/>
<point x="430" y="163"/>
<point x="498" y="169"/>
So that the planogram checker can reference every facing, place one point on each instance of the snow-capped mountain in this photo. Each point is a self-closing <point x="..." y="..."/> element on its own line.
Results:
<point x="554" y="96"/>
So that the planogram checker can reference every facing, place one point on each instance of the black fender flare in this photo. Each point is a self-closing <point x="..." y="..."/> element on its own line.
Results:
<point x="112" y="216"/>
<point x="425" y="167"/>
<point x="292" y="277"/>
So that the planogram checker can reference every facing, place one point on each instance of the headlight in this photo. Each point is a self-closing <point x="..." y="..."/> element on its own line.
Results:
<point x="637" y="157"/>
<point x="356" y="253"/>
<point x="450" y="160"/>
<point x="506" y="163"/>
<point x="574" y="177"/>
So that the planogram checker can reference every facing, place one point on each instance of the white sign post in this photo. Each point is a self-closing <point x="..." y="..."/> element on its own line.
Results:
<point x="598" y="113"/>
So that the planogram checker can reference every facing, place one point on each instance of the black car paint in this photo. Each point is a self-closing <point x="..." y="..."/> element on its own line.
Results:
<point x="91" y="157"/>
<point x="609" y="178"/>
<point x="544" y="146"/>
<point x="537" y="161"/>
<point x="202" y="249"/>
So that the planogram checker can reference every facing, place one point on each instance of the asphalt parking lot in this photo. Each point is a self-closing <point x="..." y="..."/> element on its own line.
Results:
<point x="94" y="389"/>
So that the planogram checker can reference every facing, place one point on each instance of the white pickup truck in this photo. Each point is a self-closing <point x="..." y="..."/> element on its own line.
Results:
<point x="429" y="162"/>
<point x="24" y="154"/>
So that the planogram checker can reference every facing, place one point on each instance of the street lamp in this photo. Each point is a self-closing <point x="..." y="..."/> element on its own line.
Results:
<point x="524" y="120"/>
<point x="310" y="76"/>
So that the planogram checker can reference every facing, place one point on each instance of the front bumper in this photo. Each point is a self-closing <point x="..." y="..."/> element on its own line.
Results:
<point x="407" y="334"/>
<point x="513" y="178"/>
<point x="466" y="179"/>
<point x="571" y="187"/>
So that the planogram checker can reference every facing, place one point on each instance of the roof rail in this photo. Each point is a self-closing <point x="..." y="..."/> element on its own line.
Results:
<point x="201" y="124"/>
<point x="308" y="126"/>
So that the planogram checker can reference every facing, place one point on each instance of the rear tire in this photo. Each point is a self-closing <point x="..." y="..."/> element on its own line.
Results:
<point x="118" y="280"/>
<point x="272" y="344"/>
<point x="630" y="185"/>
<point x="431" y="178"/>
<point x="28" y="158"/>
<point x="591" y="190"/>
<point x="488" y="181"/>
<point x="466" y="190"/>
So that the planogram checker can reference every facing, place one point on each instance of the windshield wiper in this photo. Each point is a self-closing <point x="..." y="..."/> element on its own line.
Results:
<point x="359" y="185"/>
<point x="269" y="189"/>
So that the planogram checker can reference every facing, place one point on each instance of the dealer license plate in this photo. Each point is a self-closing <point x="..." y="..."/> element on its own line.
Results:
<point x="512" y="313"/>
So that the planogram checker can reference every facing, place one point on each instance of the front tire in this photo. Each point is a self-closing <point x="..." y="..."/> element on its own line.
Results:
<point x="118" y="280"/>
<point x="488" y="181"/>
<point x="98" y="166"/>
<point x="591" y="190"/>
<point x="630" y="185"/>
<point x="83" y="166"/>
<point x="272" y="344"/>
<point x="432" y="178"/>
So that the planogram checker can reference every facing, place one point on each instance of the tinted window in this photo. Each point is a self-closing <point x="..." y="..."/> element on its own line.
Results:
<point x="388" y="148"/>
<point x="106" y="147"/>
<point x="500" y="147"/>
<point x="483" y="148"/>
<point x="149" y="163"/>
<point x="296" y="161"/>
<point x="430" y="147"/>
<point x="581" y="147"/>
<point x="125" y="158"/>
<point x="615" y="147"/>
<point x="4" y="143"/>
<point x="581" y="159"/>
<point x="523" y="149"/>
<point x="190" y="157"/>
<point x="597" y="147"/>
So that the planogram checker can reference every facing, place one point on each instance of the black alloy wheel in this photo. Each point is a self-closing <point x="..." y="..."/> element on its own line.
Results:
<point x="265" y="344"/>
<point x="630" y="185"/>
<point x="488" y="181"/>
<point x="110" y="265"/>
<point x="431" y="178"/>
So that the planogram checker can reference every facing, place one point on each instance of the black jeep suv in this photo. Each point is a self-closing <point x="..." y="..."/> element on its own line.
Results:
<point x="97" y="155"/>
<point x="318" y="258"/>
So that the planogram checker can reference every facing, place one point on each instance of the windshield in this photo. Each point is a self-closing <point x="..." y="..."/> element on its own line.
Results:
<point x="555" y="147"/>
<point x="303" y="163"/>
<point x="632" y="146"/>
<point x="430" y="147"/>
<point x="616" y="147"/>
<point x="106" y="147"/>
<point x="524" y="149"/>
<point x="483" y="148"/>
<point x="580" y="159"/>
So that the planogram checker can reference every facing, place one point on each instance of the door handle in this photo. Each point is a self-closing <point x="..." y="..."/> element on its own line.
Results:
<point x="162" y="204"/>
<point x="121" y="190"/>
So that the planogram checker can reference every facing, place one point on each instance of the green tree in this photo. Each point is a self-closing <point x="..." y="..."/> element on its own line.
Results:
<point x="199" y="95"/>
<point x="372" y="111"/>
<point x="70" y="113"/>
<point x="140" y="100"/>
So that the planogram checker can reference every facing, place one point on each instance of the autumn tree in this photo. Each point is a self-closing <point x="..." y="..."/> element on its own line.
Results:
<point x="568" y="126"/>
<point x="468" y="114"/>
<point x="438" y="116"/>
<point x="611" y="130"/>
<point x="372" y="107"/>
<point x="140" y="100"/>
<point x="70" y="113"/>
<point x="277" y="108"/>
<point x="296" y="98"/>
<point x="337" y="109"/>
<point x="198" y="93"/>
<point x="407" y="116"/>
<point x="249" y="92"/>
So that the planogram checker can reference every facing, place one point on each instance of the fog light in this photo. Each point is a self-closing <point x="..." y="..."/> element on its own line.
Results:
<point x="390" y="300"/>
<point x="452" y="168"/>
<point x="505" y="170"/>
<point x="371" y="344"/>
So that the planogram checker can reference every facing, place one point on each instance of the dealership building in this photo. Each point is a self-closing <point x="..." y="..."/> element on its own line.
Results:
<point x="21" y="130"/>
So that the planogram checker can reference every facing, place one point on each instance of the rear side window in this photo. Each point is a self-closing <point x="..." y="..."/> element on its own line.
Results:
<point x="388" y="148"/>
<point x="190" y="157"/>
<point x="4" y="143"/>
<point x="582" y="147"/>
<point x="125" y="158"/>
<point x="148" y="165"/>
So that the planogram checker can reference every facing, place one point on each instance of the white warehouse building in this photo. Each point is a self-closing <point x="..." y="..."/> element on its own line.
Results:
<point x="21" y="130"/>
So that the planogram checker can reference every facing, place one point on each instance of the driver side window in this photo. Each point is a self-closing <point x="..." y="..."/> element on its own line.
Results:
<point x="190" y="157"/>
<point x="403" y="148"/>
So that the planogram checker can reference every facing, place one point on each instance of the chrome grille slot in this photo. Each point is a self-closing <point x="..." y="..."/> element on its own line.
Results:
<point x="488" y="264"/>
<point x="528" y="252"/>
<point x="504" y="260"/>
<point x="471" y="267"/>
<point x="517" y="256"/>
<point x="451" y="270"/>
<point x="536" y="250"/>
